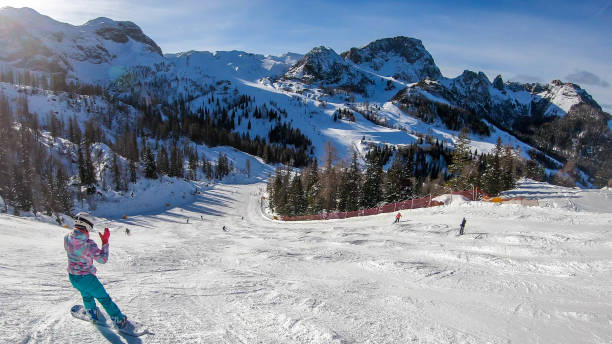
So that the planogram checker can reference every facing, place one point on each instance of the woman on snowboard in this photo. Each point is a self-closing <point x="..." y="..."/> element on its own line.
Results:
<point x="81" y="251"/>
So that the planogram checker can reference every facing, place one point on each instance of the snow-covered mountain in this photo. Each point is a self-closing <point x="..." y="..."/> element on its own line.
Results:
<point x="501" y="102"/>
<point x="97" y="51"/>
<point x="392" y="87"/>
<point x="560" y="119"/>
<point x="322" y="66"/>
<point x="230" y="64"/>
<point x="402" y="58"/>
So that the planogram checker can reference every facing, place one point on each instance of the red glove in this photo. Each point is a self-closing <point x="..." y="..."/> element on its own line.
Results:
<point x="104" y="237"/>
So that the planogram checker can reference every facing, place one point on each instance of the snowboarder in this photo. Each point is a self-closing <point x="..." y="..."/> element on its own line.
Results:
<point x="81" y="251"/>
<point x="398" y="217"/>
<point x="462" y="226"/>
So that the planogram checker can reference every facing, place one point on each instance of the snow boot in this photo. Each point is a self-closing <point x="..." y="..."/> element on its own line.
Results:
<point x="120" y="322"/>
<point x="94" y="314"/>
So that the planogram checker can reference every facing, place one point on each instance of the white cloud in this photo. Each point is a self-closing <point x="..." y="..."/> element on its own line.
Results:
<point x="584" y="77"/>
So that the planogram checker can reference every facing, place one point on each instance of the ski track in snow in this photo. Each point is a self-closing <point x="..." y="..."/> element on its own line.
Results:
<point x="519" y="275"/>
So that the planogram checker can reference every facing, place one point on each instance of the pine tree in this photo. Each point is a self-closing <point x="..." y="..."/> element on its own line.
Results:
<point x="24" y="188"/>
<point x="354" y="184"/>
<point x="247" y="167"/>
<point x="209" y="170"/>
<point x="134" y="152"/>
<point x="493" y="177"/>
<point x="278" y="192"/>
<point x="534" y="170"/>
<point x="54" y="125"/>
<point x="461" y="167"/>
<point x="162" y="161"/>
<point x="116" y="170"/>
<point x="372" y="193"/>
<point x="150" y="168"/>
<point x="175" y="163"/>
<point x="62" y="191"/>
<point x="295" y="197"/>
<point x="329" y="179"/>
<point x="283" y="197"/>
<point x="508" y="179"/>
<point x="313" y="189"/>
<point x="133" y="175"/>
<point x="6" y="141"/>
<point x="193" y="164"/>
<point x="16" y="188"/>
<point x="47" y="190"/>
<point x="350" y="186"/>
<point x="74" y="131"/>
<point x="89" y="173"/>
<point x="223" y="167"/>
<point x="393" y="183"/>
<point x="407" y="179"/>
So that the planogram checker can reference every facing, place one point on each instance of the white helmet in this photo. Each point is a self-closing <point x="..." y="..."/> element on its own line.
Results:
<point x="84" y="221"/>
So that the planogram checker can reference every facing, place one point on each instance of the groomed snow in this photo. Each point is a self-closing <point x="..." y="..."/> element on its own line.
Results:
<point x="519" y="275"/>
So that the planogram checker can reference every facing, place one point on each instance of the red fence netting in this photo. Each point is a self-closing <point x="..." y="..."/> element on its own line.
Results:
<point x="414" y="203"/>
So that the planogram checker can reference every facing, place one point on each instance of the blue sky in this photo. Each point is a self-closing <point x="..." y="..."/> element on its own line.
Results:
<point x="523" y="40"/>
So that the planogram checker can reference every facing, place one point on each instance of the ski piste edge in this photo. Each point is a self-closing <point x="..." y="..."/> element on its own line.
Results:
<point x="134" y="329"/>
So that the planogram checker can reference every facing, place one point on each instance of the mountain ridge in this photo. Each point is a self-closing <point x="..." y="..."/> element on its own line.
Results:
<point x="387" y="81"/>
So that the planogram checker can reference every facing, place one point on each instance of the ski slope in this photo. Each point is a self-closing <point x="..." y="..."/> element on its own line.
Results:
<point x="519" y="275"/>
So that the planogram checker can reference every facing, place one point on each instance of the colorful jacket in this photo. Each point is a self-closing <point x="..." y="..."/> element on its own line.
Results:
<point x="81" y="252"/>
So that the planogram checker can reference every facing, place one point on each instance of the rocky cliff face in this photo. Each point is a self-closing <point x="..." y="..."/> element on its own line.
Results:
<point x="402" y="58"/>
<point x="121" y="32"/>
<point x="322" y="66"/>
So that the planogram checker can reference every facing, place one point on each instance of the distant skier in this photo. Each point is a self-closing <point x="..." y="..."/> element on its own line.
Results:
<point x="398" y="217"/>
<point x="81" y="252"/>
<point x="224" y="229"/>
<point x="462" y="226"/>
<point x="127" y="231"/>
<point x="187" y="220"/>
<point x="201" y="217"/>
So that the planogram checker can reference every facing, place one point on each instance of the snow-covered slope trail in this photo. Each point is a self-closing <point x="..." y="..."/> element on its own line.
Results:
<point x="519" y="275"/>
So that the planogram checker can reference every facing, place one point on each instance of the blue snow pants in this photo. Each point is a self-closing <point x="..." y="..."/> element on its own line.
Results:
<point x="90" y="288"/>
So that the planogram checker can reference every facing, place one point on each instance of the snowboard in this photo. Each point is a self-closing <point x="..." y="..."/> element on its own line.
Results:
<point x="132" y="328"/>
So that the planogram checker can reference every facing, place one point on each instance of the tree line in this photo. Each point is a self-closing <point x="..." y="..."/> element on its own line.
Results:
<point x="415" y="171"/>
<point x="31" y="177"/>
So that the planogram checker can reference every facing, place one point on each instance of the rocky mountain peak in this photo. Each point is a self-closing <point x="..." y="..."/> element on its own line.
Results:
<point x="498" y="83"/>
<point x="121" y="32"/>
<point x="96" y="51"/>
<point x="319" y="64"/>
<point x="403" y="58"/>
